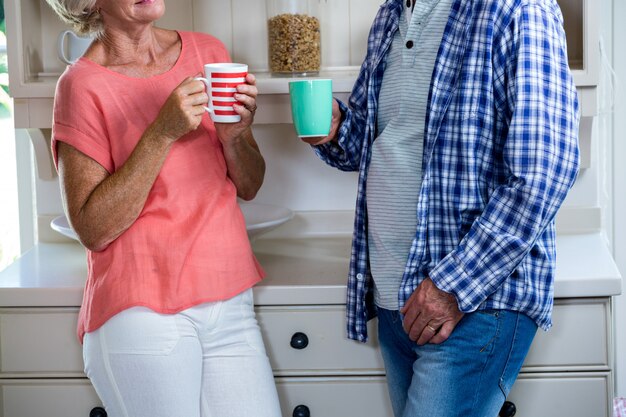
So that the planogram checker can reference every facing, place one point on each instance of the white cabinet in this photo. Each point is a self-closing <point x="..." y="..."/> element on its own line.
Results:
<point x="310" y="340"/>
<point x="47" y="397"/>
<point x="581" y="19"/>
<point x="562" y="394"/>
<point x="328" y="397"/>
<point x="300" y="308"/>
<point x="40" y="342"/>
<point x="568" y="371"/>
<point x="579" y="340"/>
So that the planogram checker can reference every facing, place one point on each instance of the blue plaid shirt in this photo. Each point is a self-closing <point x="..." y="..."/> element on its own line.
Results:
<point x="500" y="155"/>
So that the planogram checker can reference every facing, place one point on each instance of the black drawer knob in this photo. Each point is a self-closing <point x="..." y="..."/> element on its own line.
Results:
<point x="299" y="340"/>
<point x="508" y="409"/>
<point x="301" y="411"/>
<point x="97" y="412"/>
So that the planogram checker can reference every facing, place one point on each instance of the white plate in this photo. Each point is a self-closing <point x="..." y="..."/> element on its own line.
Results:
<point x="61" y="225"/>
<point x="260" y="218"/>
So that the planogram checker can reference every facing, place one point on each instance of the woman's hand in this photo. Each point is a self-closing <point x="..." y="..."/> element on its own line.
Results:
<point x="245" y="107"/>
<point x="334" y="127"/>
<point x="182" y="111"/>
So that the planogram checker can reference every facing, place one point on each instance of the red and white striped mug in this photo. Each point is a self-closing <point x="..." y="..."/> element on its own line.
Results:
<point x="221" y="80"/>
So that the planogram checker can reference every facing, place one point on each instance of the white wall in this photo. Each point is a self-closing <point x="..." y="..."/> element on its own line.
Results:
<point x="297" y="178"/>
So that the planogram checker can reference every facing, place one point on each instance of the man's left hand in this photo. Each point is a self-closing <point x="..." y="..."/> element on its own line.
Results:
<point x="430" y="315"/>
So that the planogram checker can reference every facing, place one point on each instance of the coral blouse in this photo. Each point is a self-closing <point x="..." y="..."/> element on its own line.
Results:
<point x="189" y="244"/>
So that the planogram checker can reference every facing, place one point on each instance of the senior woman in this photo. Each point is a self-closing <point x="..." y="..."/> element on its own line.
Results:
<point x="150" y="185"/>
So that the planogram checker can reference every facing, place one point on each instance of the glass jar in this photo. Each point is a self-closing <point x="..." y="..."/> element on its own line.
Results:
<point x="294" y="37"/>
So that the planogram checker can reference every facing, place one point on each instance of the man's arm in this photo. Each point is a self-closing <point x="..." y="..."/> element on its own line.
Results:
<point x="540" y="151"/>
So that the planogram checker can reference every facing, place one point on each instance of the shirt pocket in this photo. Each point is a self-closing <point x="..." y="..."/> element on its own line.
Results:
<point x="471" y="97"/>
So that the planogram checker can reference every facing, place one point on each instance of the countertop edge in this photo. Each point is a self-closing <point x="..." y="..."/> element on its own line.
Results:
<point x="53" y="274"/>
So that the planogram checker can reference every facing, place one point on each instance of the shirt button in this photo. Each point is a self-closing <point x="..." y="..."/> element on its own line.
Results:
<point x="359" y="277"/>
<point x="409" y="44"/>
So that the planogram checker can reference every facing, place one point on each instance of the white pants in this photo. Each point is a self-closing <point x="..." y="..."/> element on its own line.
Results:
<point x="206" y="361"/>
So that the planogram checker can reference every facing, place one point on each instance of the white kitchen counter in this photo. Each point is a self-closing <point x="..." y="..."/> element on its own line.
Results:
<point x="307" y="270"/>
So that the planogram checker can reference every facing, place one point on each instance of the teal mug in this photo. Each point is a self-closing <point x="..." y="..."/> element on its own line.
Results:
<point x="311" y="106"/>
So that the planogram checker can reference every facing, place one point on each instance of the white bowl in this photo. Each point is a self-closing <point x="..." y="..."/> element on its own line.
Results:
<point x="61" y="225"/>
<point x="260" y="218"/>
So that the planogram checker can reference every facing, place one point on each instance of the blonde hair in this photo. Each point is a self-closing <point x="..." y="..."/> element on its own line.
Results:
<point x="82" y="15"/>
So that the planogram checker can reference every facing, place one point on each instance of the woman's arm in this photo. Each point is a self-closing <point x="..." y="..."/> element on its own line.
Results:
<point x="246" y="166"/>
<point x="101" y="206"/>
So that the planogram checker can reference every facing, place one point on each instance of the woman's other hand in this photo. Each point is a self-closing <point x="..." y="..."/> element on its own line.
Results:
<point x="246" y="167"/>
<point x="334" y="127"/>
<point x="182" y="111"/>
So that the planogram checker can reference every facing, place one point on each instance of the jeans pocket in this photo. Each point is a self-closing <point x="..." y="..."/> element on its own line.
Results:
<point x="490" y="311"/>
<point x="141" y="331"/>
<point x="523" y="334"/>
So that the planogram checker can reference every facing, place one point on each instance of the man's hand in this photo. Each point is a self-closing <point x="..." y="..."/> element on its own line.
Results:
<point x="335" y="122"/>
<point x="430" y="315"/>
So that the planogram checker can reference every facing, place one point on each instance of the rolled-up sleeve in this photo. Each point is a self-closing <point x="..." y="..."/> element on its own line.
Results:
<point x="540" y="152"/>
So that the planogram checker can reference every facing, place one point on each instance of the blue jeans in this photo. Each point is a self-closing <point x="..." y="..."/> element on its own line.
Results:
<point x="469" y="375"/>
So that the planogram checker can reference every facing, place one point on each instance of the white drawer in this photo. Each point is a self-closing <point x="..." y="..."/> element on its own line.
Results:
<point x="42" y="342"/>
<point x="328" y="350"/>
<point x="535" y="395"/>
<point x="578" y="339"/>
<point x="561" y="394"/>
<point x="327" y="397"/>
<point x="39" y="341"/>
<point x="47" y="397"/>
<point x="335" y="397"/>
